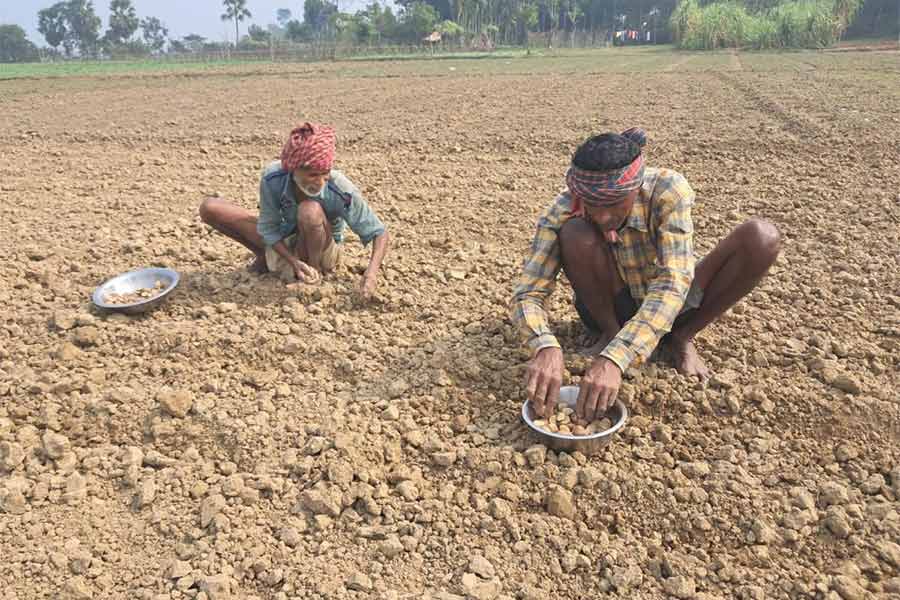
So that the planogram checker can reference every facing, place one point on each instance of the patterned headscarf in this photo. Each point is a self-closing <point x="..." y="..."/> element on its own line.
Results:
<point x="309" y="145"/>
<point x="606" y="188"/>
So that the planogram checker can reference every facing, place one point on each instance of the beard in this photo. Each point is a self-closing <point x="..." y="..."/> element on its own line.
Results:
<point x="310" y="191"/>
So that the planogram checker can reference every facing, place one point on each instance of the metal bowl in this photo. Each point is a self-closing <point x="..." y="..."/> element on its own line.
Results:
<point x="586" y="444"/>
<point x="129" y="282"/>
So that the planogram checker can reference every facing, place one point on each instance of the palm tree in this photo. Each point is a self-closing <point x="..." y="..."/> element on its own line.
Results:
<point x="237" y="10"/>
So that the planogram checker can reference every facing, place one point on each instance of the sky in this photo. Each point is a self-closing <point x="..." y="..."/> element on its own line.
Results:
<point x="180" y="16"/>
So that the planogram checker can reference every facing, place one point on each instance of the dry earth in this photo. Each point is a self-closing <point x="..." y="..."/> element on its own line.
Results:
<point x="251" y="441"/>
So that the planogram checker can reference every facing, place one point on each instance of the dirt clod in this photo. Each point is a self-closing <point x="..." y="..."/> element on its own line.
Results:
<point x="55" y="445"/>
<point x="560" y="503"/>
<point x="680" y="587"/>
<point x="359" y="582"/>
<point x="176" y="403"/>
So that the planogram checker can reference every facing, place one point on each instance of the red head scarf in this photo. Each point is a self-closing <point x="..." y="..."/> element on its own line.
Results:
<point x="310" y="145"/>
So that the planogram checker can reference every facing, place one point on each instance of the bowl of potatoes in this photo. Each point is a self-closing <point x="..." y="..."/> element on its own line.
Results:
<point x="563" y="431"/>
<point x="137" y="291"/>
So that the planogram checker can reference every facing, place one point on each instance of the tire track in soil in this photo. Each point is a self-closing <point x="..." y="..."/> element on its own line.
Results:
<point x="811" y="73"/>
<point x="852" y="103"/>
<point x="854" y="109"/>
<point x="797" y="125"/>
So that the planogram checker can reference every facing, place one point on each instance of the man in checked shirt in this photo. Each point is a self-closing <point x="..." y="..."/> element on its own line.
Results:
<point x="622" y="232"/>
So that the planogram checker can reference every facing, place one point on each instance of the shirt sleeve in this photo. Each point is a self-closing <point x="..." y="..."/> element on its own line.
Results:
<point x="667" y="291"/>
<point x="361" y="219"/>
<point x="269" y="224"/>
<point x="537" y="282"/>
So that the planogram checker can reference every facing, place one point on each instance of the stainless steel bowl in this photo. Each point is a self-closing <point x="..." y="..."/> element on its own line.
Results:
<point x="586" y="444"/>
<point x="129" y="282"/>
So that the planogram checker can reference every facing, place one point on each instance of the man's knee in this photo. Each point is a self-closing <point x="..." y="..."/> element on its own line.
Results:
<point x="577" y="239"/>
<point x="209" y="213"/>
<point x="762" y="238"/>
<point x="310" y="214"/>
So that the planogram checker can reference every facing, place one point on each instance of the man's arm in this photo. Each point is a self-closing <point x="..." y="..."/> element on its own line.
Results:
<point x="543" y="376"/>
<point x="363" y="221"/>
<point x="535" y="285"/>
<point x="667" y="291"/>
<point x="370" y="277"/>
<point x="359" y="216"/>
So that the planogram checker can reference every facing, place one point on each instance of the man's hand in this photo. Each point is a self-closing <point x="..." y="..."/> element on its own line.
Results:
<point x="599" y="388"/>
<point x="542" y="380"/>
<point x="367" y="286"/>
<point x="303" y="272"/>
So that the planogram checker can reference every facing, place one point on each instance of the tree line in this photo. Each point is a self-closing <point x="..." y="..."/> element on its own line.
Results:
<point x="72" y="27"/>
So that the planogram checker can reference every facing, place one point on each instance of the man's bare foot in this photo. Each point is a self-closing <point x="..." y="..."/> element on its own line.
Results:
<point x="258" y="266"/>
<point x="686" y="359"/>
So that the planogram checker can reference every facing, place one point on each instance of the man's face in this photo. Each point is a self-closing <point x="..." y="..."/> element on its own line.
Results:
<point x="610" y="218"/>
<point x="309" y="181"/>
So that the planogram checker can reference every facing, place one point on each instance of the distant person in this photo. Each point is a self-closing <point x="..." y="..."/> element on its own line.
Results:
<point x="304" y="204"/>
<point x="623" y="234"/>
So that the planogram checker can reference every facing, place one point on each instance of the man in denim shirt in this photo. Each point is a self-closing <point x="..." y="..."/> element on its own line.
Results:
<point x="304" y="205"/>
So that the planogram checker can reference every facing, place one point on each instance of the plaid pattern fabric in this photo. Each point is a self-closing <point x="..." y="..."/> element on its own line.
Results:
<point x="654" y="255"/>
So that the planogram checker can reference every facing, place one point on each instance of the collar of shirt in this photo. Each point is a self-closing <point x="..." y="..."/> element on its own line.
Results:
<point x="639" y="216"/>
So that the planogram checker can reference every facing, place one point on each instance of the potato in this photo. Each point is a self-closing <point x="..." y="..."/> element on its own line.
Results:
<point x="600" y="425"/>
<point x="136" y="295"/>
<point x="565" y="421"/>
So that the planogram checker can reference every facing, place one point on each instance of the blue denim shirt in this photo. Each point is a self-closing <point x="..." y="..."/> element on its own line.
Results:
<point x="339" y="198"/>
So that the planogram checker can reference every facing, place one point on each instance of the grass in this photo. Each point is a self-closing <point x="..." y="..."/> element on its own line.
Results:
<point x="524" y="60"/>
<point x="583" y="62"/>
<point x="89" y="68"/>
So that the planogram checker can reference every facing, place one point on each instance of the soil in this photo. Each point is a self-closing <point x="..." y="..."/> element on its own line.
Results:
<point x="254" y="440"/>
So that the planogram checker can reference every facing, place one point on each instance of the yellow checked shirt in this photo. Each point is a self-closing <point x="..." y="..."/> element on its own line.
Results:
<point x="654" y="255"/>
